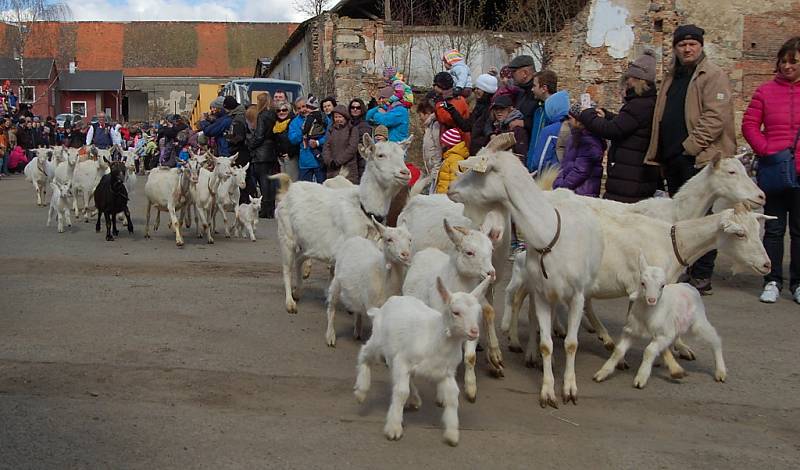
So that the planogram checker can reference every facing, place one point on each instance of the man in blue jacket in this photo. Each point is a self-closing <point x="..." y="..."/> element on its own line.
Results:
<point x="218" y="126"/>
<point x="394" y="116"/>
<point x="543" y="152"/>
<point x="311" y="168"/>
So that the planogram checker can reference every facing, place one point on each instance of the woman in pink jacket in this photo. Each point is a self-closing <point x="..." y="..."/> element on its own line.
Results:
<point x="771" y="124"/>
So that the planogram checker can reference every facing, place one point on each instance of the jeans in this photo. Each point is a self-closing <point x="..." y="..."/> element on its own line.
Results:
<point x="678" y="171"/>
<point x="312" y="174"/>
<point x="786" y="207"/>
<point x="249" y="188"/>
<point x="262" y="172"/>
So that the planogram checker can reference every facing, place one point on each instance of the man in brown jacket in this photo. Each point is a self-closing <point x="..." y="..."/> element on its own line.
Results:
<point x="693" y="122"/>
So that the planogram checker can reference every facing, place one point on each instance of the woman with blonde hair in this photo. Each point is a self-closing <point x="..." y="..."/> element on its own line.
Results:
<point x="264" y="155"/>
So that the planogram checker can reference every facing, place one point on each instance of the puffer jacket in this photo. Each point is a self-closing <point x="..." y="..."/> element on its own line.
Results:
<point x="262" y="145"/>
<point x="450" y="159"/>
<point x="582" y="166"/>
<point x="341" y="150"/>
<point x="775" y="106"/>
<point x="307" y="160"/>
<point x="629" y="179"/>
<point x="543" y="153"/>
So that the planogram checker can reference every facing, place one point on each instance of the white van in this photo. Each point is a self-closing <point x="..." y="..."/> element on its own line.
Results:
<point x="246" y="90"/>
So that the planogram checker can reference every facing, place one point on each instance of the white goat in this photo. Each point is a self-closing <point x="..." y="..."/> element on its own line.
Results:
<point x="227" y="198"/>
<point x="168" y="190"/>
<point x="60" y="204"/>
<point x="246" y="218"/>
<point x="366" y="274"/>
<point x="85" y="177"/>
<point x="39" y="171"/>
<point x="564" y="233"/>
<point x="661" y="312"/>
<point x="204" y="191"/>
<point x="313" y="221"/>
<point x="66" y="166"/>
<point x="463" y="268"/>
<point x="417" y="340"/>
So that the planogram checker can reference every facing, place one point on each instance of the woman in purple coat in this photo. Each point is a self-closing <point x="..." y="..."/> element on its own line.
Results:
<point x="582" y="166"/>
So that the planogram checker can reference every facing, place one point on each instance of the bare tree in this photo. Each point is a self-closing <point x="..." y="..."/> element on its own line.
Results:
<point x="22" y="15"/>
<point x="311" y="8"/>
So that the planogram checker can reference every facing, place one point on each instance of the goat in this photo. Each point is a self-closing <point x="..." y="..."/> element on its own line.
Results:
<point x="246" y="217"/>
<point x="111" y="198"/>
<point x="367" y="274"/>
<point x="313" y="221"/>
<point x="661" y="312"/>
<point x="417" y="340"/>
<point x="60" y="204"/>
<point x="39" y="171"/>
<point x="204" y="191"/>
<point x="85" y="177"/>
<point x="227" y="197"/>
<point x="168" y="190"/>
<point x="66" y="167"/>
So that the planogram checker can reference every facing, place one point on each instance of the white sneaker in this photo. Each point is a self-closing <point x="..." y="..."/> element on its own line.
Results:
<point x="771" y="293"/>
<point x="796" y="295"/>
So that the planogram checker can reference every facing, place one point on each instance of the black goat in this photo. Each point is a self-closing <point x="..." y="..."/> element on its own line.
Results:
<point x="111" y="198"/>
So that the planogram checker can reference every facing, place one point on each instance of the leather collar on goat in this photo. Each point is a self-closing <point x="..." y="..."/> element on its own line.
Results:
<point x="378" y="218"/>
<point x="543" y="251"/>
<point x="675" y="246"/>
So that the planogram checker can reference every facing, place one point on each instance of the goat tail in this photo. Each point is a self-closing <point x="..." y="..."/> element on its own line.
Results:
<point x="546" y="178"/>
<point x="284" y="180"/>
<point x="421" y="184"/>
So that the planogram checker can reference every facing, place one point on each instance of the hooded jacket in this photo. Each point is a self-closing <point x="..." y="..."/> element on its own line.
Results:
<point x="461" y="75"/>
<point x="395" y="119"/>
<point x="307" y="159"/>
<point x="341" y="148"/>
<point x="776" y="106"/>
<point x="216" y="130"/>
<point x="263" y="144"/>
<point x="582" y="166"/>
<point x="543" y="153"/>
<point x="450" y="159"/>
<point x="236" y="135"/>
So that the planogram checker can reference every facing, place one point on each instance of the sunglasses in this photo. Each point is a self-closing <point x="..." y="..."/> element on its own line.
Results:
<point x="283" y="110"/>
<point x="355" y="107"/>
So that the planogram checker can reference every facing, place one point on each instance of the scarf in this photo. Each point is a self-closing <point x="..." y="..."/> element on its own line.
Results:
<point x="280" y="126"/>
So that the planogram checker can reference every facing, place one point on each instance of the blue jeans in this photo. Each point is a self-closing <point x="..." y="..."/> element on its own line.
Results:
<point x="312" y="174"/>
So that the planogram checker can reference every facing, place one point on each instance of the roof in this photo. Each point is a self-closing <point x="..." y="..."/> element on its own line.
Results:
<point x="35" y="69"/>
<point x="93" y="80"/>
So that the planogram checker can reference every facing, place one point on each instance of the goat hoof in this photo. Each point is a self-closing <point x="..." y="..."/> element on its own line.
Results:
<point x="623" y="365"/>
<point x="639" y="382"/>
<point x="720" y="376"/>
<point x="393" y="432"/>
<point x="210" y="241"/>
<point x="115" y="233"/>
<point x="451" y="437"/>
<point x="678" y="374"/>
<point x="545" y="401"/>
<point x="687" y="354"/>
<point x="609" y="345"/>
<point x="109" y="238"/>
<point x="515" y="348"/>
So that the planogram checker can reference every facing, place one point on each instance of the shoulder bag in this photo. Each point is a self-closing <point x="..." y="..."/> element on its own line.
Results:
<point x="777" y="172"/>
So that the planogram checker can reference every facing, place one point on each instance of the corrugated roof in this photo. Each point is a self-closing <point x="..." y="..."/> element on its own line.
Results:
<point x="35" y="69"/>
<point x="91" y="80"/>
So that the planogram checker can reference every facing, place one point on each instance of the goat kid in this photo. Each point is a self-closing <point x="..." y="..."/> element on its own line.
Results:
<point x="246" y="218"/>
<point x="60" y="204"/>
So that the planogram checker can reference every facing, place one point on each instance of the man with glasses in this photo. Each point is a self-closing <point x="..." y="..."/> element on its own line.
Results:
<point x="99" y="134"/>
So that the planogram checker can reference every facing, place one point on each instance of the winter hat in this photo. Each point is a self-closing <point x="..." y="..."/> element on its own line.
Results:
<point x="451" y="137"/>
<point x="230" y="103"/>
<point x="644" y="67"/>
<point x="487" y="83"/>
<point x="444" y="80"/>
<point x="386" y="92"/>
<point x="312" y="103"/>
<point x="502" y="101"/>
<point x="688" y="31"/>
<point x="217" y="102"/>
<point x="453" y="56"/>
<point x="575" y="109"/>
<point x="381" y="131"/>
<point x="389" y="72"/>
<point x="341" y="109"/>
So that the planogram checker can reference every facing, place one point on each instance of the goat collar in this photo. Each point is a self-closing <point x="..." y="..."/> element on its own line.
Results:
<point x="544" y="251"/>
<point x="378" y="218"/>
<point x="674" y="239"/>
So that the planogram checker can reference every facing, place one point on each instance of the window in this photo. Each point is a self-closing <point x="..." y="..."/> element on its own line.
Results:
<point x="27" y="94"/>
<point x="78" y="107"/>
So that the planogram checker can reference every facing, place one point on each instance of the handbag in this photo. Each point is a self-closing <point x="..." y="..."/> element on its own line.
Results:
<point x="777" y="172"/>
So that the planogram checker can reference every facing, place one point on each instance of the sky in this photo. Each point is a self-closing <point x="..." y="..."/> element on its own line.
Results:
<point x="184" y="10"/>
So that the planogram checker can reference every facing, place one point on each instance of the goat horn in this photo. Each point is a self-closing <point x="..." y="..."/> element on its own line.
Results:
<point x="502" y="142"/>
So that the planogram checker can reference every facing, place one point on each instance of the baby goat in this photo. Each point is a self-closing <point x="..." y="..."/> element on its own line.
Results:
<point x="60" y="204"/>
<point x="247" y="218"/>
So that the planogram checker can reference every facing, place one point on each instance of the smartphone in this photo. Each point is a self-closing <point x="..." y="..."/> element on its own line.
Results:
<point x="586" y="101"/>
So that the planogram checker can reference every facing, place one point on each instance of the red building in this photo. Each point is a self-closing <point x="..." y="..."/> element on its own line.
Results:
<point x="89" y="92"/>
<point x="39" y="90"/>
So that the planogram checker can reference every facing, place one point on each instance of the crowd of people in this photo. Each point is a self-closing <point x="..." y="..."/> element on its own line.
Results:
<point x="656" y="141"/>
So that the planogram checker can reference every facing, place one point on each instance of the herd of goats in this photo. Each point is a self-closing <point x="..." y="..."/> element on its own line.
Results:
<point x="427" y="284"/>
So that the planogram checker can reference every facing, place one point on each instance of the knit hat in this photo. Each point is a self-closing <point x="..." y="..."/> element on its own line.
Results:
<point x="688" y="31"/>
<point x="444" y="80"/>
<point x="230" y="103"/>
<point x="389" y="72"/>
<point x="502" y="101"/>
<point x="341" y="109"/>
<point x="381" y="131"/>
<point x="575" y="109"/>
<point x="487" y="83"/>
<point x="217" y="102"/>
<point x="453" y="56"/>
<point x="386" y="92"/>
<point x="451" y="137"/>
<point x="644" y="67"/>
<point x="312" y="103"/>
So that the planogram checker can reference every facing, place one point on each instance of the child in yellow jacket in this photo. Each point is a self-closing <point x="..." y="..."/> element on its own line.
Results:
<point x="454" y="149"/>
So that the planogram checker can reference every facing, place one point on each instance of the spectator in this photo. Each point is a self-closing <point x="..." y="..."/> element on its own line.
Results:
<point x="522" y="72"/>
<point x="263" y="150"/>
<point x="328" y="103"/>
<point x="394" y="116"/>
<point x="556" y="109"/>
<point x="454" y="150"/>
<point x="455" y="64"/>
<point x="307" y="131"/>
<point x="99" y="134"/>
<point x="692" y="123"/>
<point x="503" y="114"/>
<point x="582" y="166"/>
<point x="287" y="152"/>
<point x="17" y="160"/>
<point x="278" y="98"/>
<point x="629" y="179"/>
<point x="545" y="83"/>
<point x="358" y="119"/>
<point x="770" y="125"/>
<point x="219" y="123"/>
<point x="380" y="134"/>
<point x="451" y="111"/>
<point x="431" y="149"/>
<point x="341" y="146"/>
<point x="236" y="134"/>
<point x="485" y="88"/>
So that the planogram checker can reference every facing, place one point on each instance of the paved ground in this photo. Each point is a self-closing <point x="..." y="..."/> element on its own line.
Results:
<point x="137" y="354"/>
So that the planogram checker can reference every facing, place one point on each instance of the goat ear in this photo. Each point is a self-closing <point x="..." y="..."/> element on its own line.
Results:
<point x="642" y="261"/>
<point x="233" y="157"/>
<point x="454" y="237"/>
<point x="480" y="290"/>
<point x="759" y="216"/>
<point x="380" y="228"/>
<point x="246" y="166"/>
<point x="406" y="143"/>
<point x="443" y="292"/>
<point x="716" y="160"/>
<point x="494" y="232"/>
<point x="106" y="160"/>
<point x="729" y="225"/>
<point x="367" y="146"/>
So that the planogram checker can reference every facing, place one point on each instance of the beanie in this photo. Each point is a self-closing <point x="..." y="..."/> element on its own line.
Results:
<point x="644" y="67"/>
<point x="230" y="103"/>
<point x="341" y="109"/>
<point x="487" y="83"/>
<point x="312" y="103"/>
<point x="389" y="72"/>
<point x="217" y="102"/>
<point x="382" y="131"/>
<point x="451" y="137"/>
<point x="687" y="31"/>
<point x="452" y="56"/>
<point x="444" y="80"/>
<point x="575" y="109"/>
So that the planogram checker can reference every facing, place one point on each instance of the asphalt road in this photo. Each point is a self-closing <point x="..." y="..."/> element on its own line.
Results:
<point x="139" y="354"/>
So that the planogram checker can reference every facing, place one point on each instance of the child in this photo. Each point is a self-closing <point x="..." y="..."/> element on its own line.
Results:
<point x="314" y="127"/>
<point x="503" y="114"/>
<point x="454" y="62"/>
<point x="582" y="166"/>
<point x="454" y="149"/>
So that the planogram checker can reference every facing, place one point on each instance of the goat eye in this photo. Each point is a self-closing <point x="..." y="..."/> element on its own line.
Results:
<point x="389" y="240"/>
<point x="458" y="314"/>
<point x="741" y="236"/>
<point x="731" y="172"/>
<point x="470" y="253"/>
